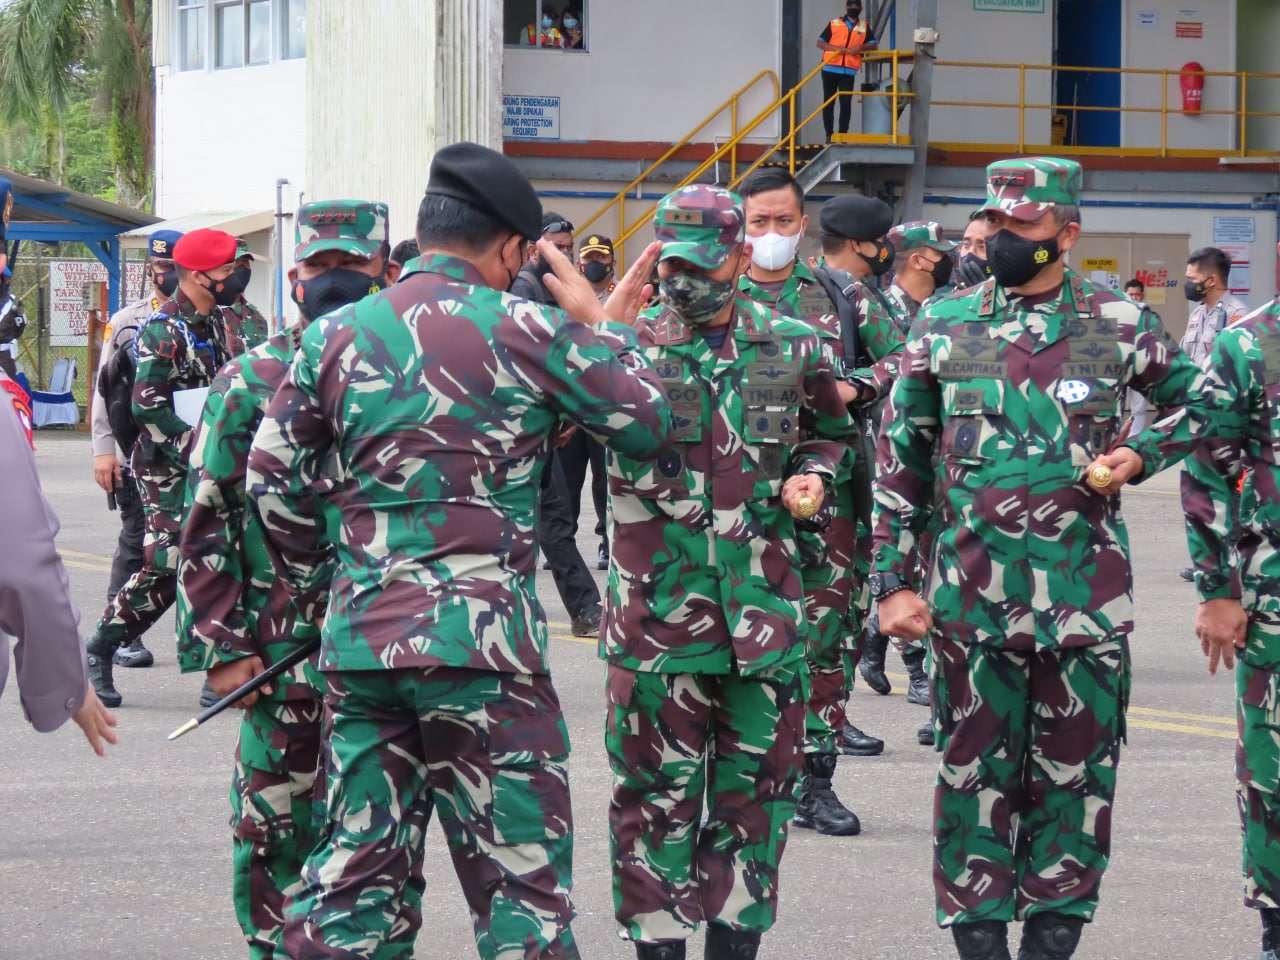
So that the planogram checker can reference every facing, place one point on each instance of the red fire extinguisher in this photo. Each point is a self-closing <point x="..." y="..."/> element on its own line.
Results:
<point x="1192" y="78"/>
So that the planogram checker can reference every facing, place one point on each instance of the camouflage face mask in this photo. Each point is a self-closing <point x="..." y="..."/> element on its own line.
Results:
<point x="695" y="296"/>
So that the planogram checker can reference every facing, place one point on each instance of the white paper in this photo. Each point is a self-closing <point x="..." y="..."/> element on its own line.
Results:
<point x="189" y="404"/>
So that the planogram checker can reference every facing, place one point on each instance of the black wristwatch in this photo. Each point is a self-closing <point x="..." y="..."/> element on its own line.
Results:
<point x="885" y="584"/>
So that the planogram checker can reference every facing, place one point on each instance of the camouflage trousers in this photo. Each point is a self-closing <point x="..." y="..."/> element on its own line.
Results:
<point x="150" y="591"/>
<point x="1030" y="741"/>
<point x="674" y="741"/>
<point x="488" y="752"/>
<point x="828" y="579"/>
<point x="1258" y="780"/>
<point x="277" y="811"/>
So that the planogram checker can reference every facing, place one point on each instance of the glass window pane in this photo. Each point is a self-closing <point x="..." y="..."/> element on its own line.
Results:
<point x="295" y="29"/>
<point x="191" y="38"/>
<point x="260" y="31"/>
<point x="229" y="27"/>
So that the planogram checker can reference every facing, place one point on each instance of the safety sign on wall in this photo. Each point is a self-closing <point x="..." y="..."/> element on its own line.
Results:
<point x="68" y="317"/>
<point x="530" y="118"/>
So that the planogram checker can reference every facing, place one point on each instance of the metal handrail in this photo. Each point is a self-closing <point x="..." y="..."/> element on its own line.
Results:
<point x="730" y="104"/>
<point x="1242" y="114"/>
<point x="729" y="147"/>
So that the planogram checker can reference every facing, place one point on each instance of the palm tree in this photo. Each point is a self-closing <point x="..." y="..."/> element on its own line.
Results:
<point x="53" y="51"/>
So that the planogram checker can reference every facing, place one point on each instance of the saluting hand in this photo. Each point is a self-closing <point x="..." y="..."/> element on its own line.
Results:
<point x="1223" y="627"/>
<point x="634" y="289"/>
<point x="569" y="286"/>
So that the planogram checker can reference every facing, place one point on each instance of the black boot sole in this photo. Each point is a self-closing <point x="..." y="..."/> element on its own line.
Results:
<point x="872" y="751"/>
<point x="806" y="823"/>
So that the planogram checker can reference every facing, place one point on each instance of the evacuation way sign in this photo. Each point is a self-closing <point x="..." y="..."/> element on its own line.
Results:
<point x="530" y="118"/>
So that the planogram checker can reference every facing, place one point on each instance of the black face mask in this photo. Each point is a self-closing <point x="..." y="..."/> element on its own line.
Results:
<point x="941" y="272"/>
<point x="882" y="262"/>
<point x="333" y="289"/>
<point x="595" y="271"/>
<point x="853" y="13"/>
<point x="227" y="291"/>
<point x="1015" y="260"/>
<point x="1195" y="292"/>
<point x="165" y="281"/>
<point x="972" y="269"/>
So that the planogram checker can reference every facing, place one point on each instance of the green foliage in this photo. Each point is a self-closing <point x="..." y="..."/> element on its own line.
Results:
<point x="78" y="100"/>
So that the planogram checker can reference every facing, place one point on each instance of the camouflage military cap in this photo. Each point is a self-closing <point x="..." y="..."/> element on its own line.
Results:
<point x="701" y="224"/>
<point x="242" y="249"/>
<point x="1026" y="188"/>
<point x="919" y="233"/>
<point x="352" y="226"/>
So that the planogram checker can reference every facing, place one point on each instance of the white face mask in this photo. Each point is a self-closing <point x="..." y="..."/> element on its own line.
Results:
<point x="773" y="251"/>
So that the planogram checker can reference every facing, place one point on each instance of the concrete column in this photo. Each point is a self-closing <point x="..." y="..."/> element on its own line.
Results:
<point x="388" y="83"/>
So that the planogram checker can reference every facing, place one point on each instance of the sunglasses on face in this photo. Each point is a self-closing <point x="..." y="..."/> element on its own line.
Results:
<point x="559" y="226"/>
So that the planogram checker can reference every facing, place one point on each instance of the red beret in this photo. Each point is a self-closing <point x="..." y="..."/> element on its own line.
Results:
<point x="204" y="249"/>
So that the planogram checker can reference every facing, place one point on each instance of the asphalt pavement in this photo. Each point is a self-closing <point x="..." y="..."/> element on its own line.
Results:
<point x="129" y="856"/>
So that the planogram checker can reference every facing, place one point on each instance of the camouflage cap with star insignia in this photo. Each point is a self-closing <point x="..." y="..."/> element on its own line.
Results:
<point x="351" y="226"/>
<point x="242" y="249"/>
<point x="701" y="224"/>
<point x="919" y="233"/>
<point x="1027" y="188"/>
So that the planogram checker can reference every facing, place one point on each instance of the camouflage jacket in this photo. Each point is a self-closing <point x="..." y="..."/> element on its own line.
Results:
<point x="703" y="568"/>
<point x="905" y="306"/>
<point x="230" y="602"/>
<point x="431" y="404"/>
<point x="879" y="335"/>
<point x="1245" y="368"/>
<point x="1021" y="400"/>
<point x="178" y="349"/>
<point x="246" y="327"/>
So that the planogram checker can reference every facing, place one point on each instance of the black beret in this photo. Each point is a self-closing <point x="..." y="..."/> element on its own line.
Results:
<point x="489" y="181"/>
<point x="855" y="217"/>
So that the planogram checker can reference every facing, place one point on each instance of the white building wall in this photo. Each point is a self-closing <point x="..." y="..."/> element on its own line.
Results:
<point x="1159" y="48"/>
<point x="224" y="137"/>
<point x="654" y="71"/>
<point x="1258" y="29"/>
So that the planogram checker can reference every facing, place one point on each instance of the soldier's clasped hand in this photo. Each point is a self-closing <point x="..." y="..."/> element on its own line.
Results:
<point x="1124" y="464"/>
<point x="905" y="614"/>
<point x="803" y="485"/>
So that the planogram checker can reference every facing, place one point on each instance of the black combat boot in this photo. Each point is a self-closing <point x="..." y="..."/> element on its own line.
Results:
<point x="982" y="940"/>
<point x="134" y="655"/>
<point x="817" y="806"/>
<point x="726" y="944"/>
<point x="924" y="736"/>
<point x="872" y="665"/>
<point x="1270" y="933"/>
<point x="918" y="688"/>
<point x="1049" y="936"/>
<point x="855" y="743"/>
<point x="661" y="950"/>
<point x="98" y="654"/>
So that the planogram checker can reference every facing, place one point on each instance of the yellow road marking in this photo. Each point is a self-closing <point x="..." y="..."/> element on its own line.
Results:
<point x="1183" y="728"/>
<point x="84" y="556"/>
<point x="96" y="567"/>
<point x="1174" y="715"/>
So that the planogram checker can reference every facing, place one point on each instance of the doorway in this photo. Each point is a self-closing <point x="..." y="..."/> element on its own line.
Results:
<point x="1089" y="35"/>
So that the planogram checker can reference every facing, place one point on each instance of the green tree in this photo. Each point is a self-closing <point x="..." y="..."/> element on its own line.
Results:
<point x="55" y="53"/>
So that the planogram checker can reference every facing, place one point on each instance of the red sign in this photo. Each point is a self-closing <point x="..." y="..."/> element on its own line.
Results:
<point x="1189" y="29"/>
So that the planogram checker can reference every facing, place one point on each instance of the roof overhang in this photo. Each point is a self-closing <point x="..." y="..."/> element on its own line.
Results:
<point x="238" y="223"/>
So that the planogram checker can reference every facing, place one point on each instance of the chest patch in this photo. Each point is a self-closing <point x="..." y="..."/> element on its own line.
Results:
<point x="1074" y="391"/>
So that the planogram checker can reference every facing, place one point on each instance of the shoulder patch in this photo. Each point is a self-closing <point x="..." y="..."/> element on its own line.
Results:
<point x="166" y="349"/>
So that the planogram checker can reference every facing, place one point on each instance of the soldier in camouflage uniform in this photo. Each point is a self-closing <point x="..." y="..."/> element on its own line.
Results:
<point x="180" y="347"/>
<point x="704" y="622"/>
<point x="777" y="278"/>
<point x="1020" y="381"/>
<point x="246" y="326"/>
<point x="430" y="406"/>
<point x="1239" y="590"/>
<point x="235" y="616"/>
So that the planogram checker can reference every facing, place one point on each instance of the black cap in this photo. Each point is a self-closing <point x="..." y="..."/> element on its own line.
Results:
<point x="855" y="217"/>
<point x="489" y="181"/>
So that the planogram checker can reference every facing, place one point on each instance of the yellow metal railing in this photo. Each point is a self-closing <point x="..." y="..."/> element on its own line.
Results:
<point x="729" y="149"/>
<point x="1169" y="106"/>
<point x="731" y="104"/>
